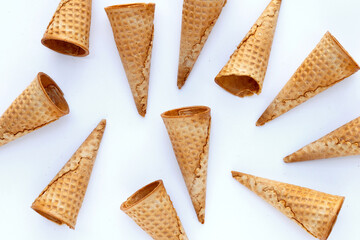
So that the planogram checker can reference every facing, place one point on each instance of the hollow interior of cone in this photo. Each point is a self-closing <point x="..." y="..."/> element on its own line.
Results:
<point x="239" y="85"/>
<point x="64" y="47"/>
<point x="54" y="93"/>
<point x="49" y="216"/>
<point x="140" y="195"/>
<point x="186" y="111"/>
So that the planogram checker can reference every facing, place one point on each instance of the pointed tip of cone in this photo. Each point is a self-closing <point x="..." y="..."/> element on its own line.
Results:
<point x="180" y="83"/>
<point x="237" y="174"/>
<point x="287" y="159"/>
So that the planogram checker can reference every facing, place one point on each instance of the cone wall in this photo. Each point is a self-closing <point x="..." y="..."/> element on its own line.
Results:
<point x="314" y="211"/>
<point x="198" y="19"/>
<point x="328" y="64"/>
<point x="151" y="208"/>
<point x="41" y="103"/>
<point x="69" y="29"/>
<point x="189" y="132"/>
<point x="244" y="73"/>
<point x="133" y="30"/>
<point x="61" y="200"/>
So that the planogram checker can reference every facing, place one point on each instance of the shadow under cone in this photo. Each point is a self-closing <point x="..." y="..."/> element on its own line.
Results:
<point x="61" y="200"/>
<point x="328" y="64"/>
<point x="69" y="29"/>
<point x="151" y="209"/>
<point x="189" y="132"/>
<point x="133" y="28"/>
<point x="41" y="103"/>
<point x="198" y="19"/>
<point x="244" y="73"/>
<point x="314" y="211"/>
<point x="342" y="142"/>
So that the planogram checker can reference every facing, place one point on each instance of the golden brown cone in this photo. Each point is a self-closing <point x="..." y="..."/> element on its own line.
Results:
<point x="151" y="209"/>
<point x="69" y="29"/>
<point x="198" y="19"/>
<point x="314" y="211"/>
<point x="344" y="141"/>
<point x="61" y="200"/>
<point x="328" y="64"/>
<point x="189" y="132"/>
<point x="133" y="28"/>
<point x="244" y="73"/>
<point x="41" y="103"/>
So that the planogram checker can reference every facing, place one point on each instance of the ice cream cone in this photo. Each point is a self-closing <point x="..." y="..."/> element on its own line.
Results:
<point x="133" y="30"/>
<point x="61" y="200"/>
<point x="198" y="19"/>
<point x="314" y="211"/>
<point x="244" y="73"/>
<point x="41" y="103"/>
<point x="69" y="29"/>
<point x="344" y="141"/>
<point x="189" y="131"/>
<point x="328" y="64"/>
<point x="151" y="209"/>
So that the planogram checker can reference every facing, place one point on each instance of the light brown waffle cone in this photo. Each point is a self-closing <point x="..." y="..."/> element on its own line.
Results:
<point x="244" y="73"/>
<point x="344" y="141"/>
<point x="328" y="64"/>
<point x="151" y="209"/>
<point x="61" y="200"/>
<point x="69" y="29"/>
<point x="41" y="103"/>
<point x="314" y="211"/>
<point x="198" y="19"/>
<point x="189" y="131"/>
<point x="133" y="28"/>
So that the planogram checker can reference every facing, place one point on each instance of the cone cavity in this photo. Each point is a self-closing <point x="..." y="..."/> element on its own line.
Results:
<point x="189" y="132"/>
<point x="61" y="200"/>
<point x="69" y="29"/>
<point x="328" y="64"/>
<point x="244" y="73"/>
<point x="133" y="29"/>
<point x="314" y="211"/>
<point x="151" y="208"/>
<point x="198" y="19"/>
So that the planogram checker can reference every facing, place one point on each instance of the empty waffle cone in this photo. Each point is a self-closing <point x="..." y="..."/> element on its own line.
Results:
<point x="133" y="28"/>
<point x="198" y="19"/>
<point x="69" y="29"/>
<point x="151" y="209"/>
<point x="328" y="64"/>
<point x="244" y="73"/>
<point x="314" y="211"/>
<point x="189" y="132"/>
<point x="61" y="200"/>
<point x="344" y="141"/>
<point x="41" y="103"/>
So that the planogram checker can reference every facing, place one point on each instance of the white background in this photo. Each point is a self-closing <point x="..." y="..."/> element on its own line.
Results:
<point x="136" y="150"/>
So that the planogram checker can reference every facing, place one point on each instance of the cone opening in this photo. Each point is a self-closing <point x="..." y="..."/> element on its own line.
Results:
<point x="53" y="93"/>
<point x="65" y="47"/>
<point x="186" y="112"/>
<point x="130" y="6"/>
<point x="140" y="195"/>
<point x="240" y="86"/>
<point x="333" y="220"/>
<point x="49" y="216"/>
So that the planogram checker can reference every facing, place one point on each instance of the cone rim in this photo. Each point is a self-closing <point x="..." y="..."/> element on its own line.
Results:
<point x="132" y="201"/>
<point x="129" y="6"/>
<point x="334" y="218"/>
<point x="57" y="38"/>
<point x="66" y="109"/>
<point x="51" y="215"/>
<point x="245" y="91"/>
<point x="195" y="110"/>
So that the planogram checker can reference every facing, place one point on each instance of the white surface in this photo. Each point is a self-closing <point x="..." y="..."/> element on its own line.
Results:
<point x="136" y="150"/>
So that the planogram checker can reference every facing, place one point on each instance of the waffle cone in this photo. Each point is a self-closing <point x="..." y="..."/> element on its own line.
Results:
<point x="189" y="131"/>
<point x="328" y="64"/>
<point x="342" y="142"/>
<point x="41" y="103"/>
<point x="69" y="29"/>
<point x="151" y="209"/>
<point x="244" y="73"/>
<point x="61" y="200"/>
<point x="198" y="19"/>
<point x="314" y="211"/>
<point x="133" y="30"/>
